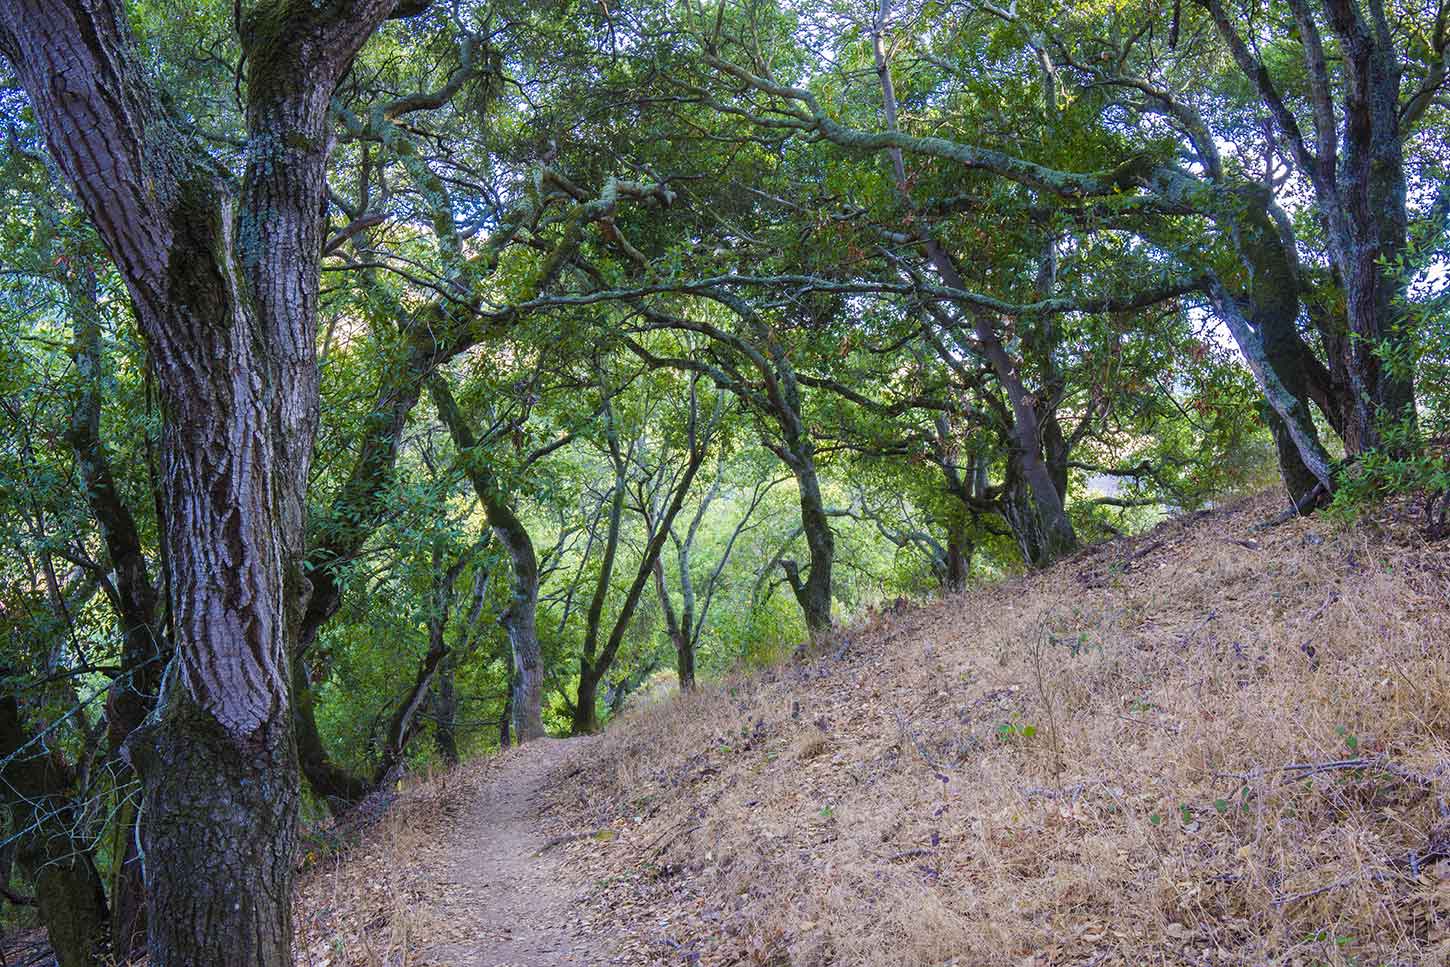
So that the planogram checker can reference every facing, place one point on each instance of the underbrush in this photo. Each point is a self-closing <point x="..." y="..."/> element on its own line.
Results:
<point x="1205" y="745"/>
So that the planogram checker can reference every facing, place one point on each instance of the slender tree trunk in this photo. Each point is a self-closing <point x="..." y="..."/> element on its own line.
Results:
<point x="143" y="644"/>
<point x="36" y="785"/>
<point x="685" y="662"/>
<point x="445" y="706"/>
<point x="506" y="720"/>
<point x="595" y="662"/>
<point x="586" y="715"/>
<point x="1357" y="170"/>
<point x="959" y="554"/>
<point x="520" y="618"/>
<point x="813" y="591"/>
<point x="676" y="628"/>
<point x="128" y="882"/>
<point x="335" y="786"/>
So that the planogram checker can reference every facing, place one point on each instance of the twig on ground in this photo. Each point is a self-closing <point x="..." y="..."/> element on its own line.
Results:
<point x="1375" y="877"/>
<point x="1303" y="770"/>
<point x="570" y="838"/>
<point x="1170" y="729"/>
<point x="908" y="854"/>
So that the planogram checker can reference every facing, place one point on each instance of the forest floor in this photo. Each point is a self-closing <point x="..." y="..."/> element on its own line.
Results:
<point x="1206" y="745"/>
<point x="459" y="874"/>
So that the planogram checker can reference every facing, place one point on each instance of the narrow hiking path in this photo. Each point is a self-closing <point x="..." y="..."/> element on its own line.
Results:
<point x="508" y="901"/>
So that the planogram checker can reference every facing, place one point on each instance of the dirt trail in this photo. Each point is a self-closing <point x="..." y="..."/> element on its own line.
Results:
<point x="506" y="904"/>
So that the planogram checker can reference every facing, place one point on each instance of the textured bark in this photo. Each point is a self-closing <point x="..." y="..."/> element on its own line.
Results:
<point x="1020" y="508"/>
<point x="220" y="836"/>
<point x="685" y="664"/>
<point x="224" y="282"/>
<point x="585" y="719"/>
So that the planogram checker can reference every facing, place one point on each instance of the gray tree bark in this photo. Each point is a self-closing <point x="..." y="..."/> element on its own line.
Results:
<point x="224" y="281"/>
<point x="519" y="618"/>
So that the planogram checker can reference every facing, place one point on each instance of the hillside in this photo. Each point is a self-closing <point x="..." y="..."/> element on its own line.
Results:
<point x="1206" y="745"/>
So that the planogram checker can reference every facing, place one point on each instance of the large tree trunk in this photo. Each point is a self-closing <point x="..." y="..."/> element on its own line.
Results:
<point x="224" y="284"/>
<point x="220" y="838"/>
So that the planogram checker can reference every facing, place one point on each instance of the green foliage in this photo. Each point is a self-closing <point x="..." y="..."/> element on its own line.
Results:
<point x="1414" y="456"/>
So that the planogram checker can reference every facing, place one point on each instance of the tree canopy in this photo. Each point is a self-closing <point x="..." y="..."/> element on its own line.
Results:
<point x="388" y="381"/>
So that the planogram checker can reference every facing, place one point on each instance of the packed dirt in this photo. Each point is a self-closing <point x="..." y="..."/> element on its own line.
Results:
<point x="461" y="874"/>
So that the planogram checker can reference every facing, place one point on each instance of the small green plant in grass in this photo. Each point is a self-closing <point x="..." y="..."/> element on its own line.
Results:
<point x="1013" y="729"/>
<point x="1351" y="741"/>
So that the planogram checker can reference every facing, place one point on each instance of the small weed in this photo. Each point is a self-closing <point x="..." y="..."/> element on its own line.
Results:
<point x="1014" y="729"/>
<point x="1351" y="741"/>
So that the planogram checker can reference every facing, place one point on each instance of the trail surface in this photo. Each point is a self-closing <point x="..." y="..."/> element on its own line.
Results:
<point x="507" y="903"/>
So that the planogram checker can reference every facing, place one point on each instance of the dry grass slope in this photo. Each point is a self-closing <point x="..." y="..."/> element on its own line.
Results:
<point x="1205" y="746"/>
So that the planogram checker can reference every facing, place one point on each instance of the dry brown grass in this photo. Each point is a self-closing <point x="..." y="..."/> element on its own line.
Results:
<point x="364" y="904"/>
<point x="1136" y="757"/>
